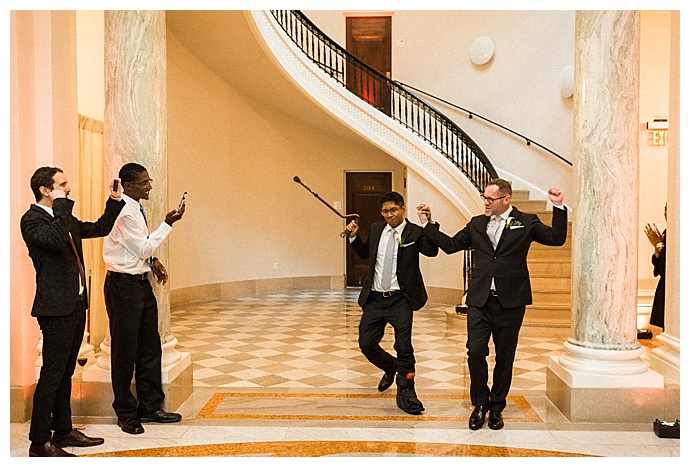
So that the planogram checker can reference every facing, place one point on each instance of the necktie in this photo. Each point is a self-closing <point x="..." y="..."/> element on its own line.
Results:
<point x="493" y="230"/>
<point x="143" y="213"/>
<point x="387" y="273"/>
<point x="82" y="274"/>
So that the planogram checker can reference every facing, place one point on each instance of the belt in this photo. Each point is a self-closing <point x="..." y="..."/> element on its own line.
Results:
<point x="390" y="293"/>
<point x="135" y="277"/>
<point x="494" y="293"/>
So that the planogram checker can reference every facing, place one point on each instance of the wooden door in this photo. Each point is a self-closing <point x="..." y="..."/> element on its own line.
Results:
<point x="369" y="39"/>
<point x="363" y="193"/>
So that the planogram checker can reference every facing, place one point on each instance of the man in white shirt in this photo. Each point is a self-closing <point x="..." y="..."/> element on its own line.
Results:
<point x="132" y="307"/>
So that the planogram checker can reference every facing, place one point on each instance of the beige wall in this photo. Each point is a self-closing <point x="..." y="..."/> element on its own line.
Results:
<point x="237" y="159"/>
<point x="90" y="65"/>
<point x="655" y="45"/>
<point x="43" y="129"/>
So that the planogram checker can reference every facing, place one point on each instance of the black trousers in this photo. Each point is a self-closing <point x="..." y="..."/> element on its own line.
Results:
<point x="377" y="313"/>
<point x="503" y="324"/>
<point x="135" y="345"/>
<point x="62" y="337"/>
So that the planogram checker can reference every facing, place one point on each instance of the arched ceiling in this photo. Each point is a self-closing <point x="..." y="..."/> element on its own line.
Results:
<point x="223" y="41"/>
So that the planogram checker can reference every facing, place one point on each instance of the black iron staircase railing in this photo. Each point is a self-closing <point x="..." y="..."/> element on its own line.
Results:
<point x="389" y="97"/>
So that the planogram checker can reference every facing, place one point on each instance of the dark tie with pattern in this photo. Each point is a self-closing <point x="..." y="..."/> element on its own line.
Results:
<point x="82" y="274"/>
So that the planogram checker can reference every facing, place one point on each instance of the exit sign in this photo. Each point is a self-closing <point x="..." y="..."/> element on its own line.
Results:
<point x="658" y="137"/>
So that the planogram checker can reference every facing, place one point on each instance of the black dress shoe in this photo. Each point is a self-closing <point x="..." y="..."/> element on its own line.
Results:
<point x="160" y="416"/>
<point x="48" y="449"/>
<point x="130" y="425"/>
<point x="76" y="438"/>
<point x="478" y="416"/>
<point x="406" y="398"/>
<point x="386" y="380"/>
<point x="495" y="420"/>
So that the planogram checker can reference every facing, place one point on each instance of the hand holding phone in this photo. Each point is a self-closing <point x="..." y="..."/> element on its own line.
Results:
<point x="116" y="185"/>
<point x="182" y="201"/>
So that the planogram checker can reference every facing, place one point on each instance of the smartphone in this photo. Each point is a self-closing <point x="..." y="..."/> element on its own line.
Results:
<point x="116" y="185"/>
<point x="182" y="201"/>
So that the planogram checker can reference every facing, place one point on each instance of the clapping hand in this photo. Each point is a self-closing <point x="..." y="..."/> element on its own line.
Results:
<point x="653" y="234"/>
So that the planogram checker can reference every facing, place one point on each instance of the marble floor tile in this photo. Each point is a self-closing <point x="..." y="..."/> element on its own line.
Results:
<point x="281" y="375"/>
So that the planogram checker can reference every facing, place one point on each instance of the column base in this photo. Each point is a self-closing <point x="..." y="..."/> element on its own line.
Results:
<point x="92" y="391"/>
<point x="597" y="398"/>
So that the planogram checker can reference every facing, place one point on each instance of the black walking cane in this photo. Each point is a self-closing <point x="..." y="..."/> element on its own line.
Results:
<point x="348" y="217"/>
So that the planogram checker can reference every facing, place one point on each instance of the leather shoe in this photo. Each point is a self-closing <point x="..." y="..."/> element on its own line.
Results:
<point x="478" y="416"/>
<point x="130" y="425"/>
<point x="406" y="398"/>
<point x="76" y="438"/>
<point x="48" y="449"/>
<point x="495" y="420"/>
<point x="160" y="416"/>
<point x="386" y="380"/>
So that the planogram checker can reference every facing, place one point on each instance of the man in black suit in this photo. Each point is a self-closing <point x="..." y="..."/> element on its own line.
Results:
<point x="53" y="237"/>
<point x="393" y="289"/>
<point x="499" y="288"/>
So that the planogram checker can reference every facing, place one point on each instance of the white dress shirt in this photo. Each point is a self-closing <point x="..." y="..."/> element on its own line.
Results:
<point x="129" y="245"/>
<point x="381" y="253"/>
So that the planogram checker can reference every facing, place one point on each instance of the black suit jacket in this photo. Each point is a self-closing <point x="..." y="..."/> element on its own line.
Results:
<point x="47" y="238"/>
<point x="507" y="265"/>
<point x="410" y="278"/>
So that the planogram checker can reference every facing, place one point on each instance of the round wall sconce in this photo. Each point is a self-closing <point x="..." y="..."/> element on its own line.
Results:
<point x="566" y="82"/>
<point x="481" y="50"/>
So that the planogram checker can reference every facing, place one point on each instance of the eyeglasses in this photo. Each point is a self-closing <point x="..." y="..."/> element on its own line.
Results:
<point x="393" y="211"/>
<point x="489" y="199"/>
<point x="143" y="182"/>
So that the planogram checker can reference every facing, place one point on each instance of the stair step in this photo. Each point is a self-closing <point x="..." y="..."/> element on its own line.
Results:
<point x="555" y="311"/>
<point x="529" y="205"/>
<point x="550" y="282"/>
<point x="551" y="297"/>
<point x="549" y="267"/>
<point x="549" y="253"/>
<point x="533" y="318"/>
<point x="520" y="194"/>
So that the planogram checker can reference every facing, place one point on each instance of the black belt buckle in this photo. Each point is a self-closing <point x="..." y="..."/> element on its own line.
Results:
<point x="388" y="293"/>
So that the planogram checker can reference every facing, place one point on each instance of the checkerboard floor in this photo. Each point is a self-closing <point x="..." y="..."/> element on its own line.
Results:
<point x="308" y="340"/>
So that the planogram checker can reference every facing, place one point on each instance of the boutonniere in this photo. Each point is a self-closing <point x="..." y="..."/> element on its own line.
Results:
<point x="513" y="223"/>
<point x="402" y="244"/>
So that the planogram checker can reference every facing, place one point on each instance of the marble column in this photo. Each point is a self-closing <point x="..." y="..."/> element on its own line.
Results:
<point x="136" y="128"/>
<point x="602" y="357"/>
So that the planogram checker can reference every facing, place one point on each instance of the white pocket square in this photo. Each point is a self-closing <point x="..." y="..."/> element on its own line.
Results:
<point x="516" y="227"/>
<point x="407" y="244"/>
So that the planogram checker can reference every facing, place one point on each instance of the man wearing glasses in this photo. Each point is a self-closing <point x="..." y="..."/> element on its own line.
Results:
<point x="132" y="307"/>
<point x="393" y="289"/>
<point x="499" y="288"/>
